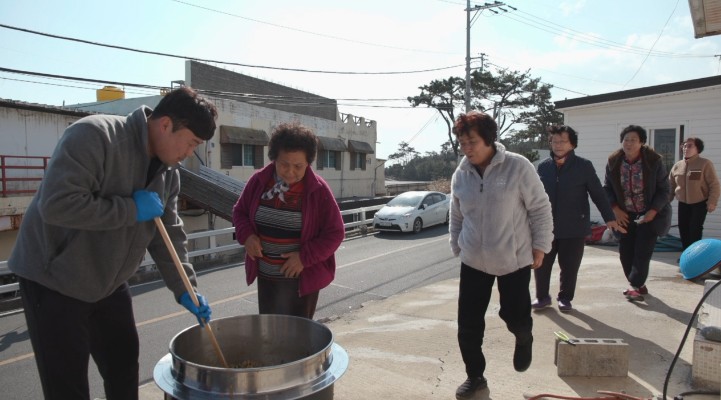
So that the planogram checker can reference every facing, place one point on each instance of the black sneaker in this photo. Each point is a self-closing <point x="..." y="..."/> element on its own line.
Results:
<point x="540" y="304"/>
<point x="522" y="355"/>
<point x="470" y="388"/>
<point x="564" y="305"/>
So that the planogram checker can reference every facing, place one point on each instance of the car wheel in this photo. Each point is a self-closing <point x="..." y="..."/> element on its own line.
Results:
<point x="417" y="225"/>
<point x="448" y="218"/>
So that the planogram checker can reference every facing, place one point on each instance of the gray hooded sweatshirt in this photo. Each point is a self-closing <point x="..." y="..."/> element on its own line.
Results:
<point x="497" y="220"/>
<point x="80" y="236"/>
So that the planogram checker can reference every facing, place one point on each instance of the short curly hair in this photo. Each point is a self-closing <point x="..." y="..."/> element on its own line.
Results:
<point x="483" y="124"/>
<point x="559" y="129"/>
<point x="635" y="128"/>
<point x="696" y="142"/>
<point x="293" y="137"/>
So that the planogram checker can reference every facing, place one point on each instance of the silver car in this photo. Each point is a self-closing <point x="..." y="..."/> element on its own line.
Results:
<point x="412" y="211"/>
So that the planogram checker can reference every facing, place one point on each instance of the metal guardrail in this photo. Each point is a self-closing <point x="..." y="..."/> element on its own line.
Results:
<point x="19" y="178"/>
<point x="361" y="222"/>
<point x="11" y="287"/>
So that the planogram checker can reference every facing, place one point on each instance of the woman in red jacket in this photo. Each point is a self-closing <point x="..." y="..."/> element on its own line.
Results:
<point x="290" y="225"/>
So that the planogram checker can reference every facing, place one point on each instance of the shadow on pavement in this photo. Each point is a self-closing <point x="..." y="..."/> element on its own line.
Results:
<point x="642" y="352"/>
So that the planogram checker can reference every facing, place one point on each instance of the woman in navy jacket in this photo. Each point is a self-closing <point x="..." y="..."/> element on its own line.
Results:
<point x="568" y="180"/>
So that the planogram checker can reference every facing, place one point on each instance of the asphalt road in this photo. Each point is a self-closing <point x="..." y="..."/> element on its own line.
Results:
<point x="369" y="268"/>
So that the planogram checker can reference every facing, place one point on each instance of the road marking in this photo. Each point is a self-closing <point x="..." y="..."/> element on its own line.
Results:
<point x="16" y="359"/>
<point x="176" y="314"/>
<point x="233" y="298"/>
<point x="390" y="252"/>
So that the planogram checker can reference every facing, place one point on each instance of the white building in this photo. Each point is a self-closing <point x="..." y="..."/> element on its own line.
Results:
<point x="670" y="113"/>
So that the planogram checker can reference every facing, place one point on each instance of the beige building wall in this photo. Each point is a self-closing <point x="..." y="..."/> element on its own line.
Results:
<point x="344" y="182"/>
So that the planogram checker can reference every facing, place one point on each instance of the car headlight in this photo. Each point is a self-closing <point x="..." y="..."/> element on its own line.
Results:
<point x="407" y="215"/>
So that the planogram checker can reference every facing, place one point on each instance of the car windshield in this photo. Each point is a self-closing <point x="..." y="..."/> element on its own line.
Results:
<point x="405" y="200"/>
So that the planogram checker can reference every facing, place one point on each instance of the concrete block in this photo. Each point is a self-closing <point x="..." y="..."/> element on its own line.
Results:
<point x="706" y="367"/>
<point x="592" y="357"/>
<point x="710" y="312"/>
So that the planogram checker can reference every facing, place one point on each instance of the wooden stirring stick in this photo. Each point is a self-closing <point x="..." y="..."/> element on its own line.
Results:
<point x="188" y="285"/>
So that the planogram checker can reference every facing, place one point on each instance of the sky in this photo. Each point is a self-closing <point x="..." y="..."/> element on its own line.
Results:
<point x="580" y="47"/>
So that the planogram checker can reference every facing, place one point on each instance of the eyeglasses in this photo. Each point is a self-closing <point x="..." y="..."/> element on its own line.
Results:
<point x="559" y="142"/>
<point x="631" y="140"/>
<point x="687" y="145"/>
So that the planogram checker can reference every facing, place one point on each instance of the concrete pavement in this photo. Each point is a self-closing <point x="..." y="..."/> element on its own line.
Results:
<point x="404" y="347"/>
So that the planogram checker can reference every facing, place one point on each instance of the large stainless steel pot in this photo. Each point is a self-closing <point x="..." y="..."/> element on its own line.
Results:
<point x="285" y="358"/>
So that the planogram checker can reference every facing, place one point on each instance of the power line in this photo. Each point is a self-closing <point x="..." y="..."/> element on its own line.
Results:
<point x="653" y="45"/>
<point x="308" y="32"/>
<point x="570" y="75"/>
<point x="61" y="85"/>
<point x="498" y="67"/>
<point x="553" y="28"/>
<point x="218" y="61"/>
<point x="431" y="120"/>
<point x="246" y="97"/>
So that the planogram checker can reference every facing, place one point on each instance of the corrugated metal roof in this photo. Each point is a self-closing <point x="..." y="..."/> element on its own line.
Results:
<point x="210" y="190"/>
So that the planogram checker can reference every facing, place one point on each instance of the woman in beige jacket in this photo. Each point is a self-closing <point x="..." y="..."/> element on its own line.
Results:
<point x="696" y="186"/>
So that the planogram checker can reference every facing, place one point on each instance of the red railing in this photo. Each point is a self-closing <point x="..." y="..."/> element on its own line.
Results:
<point x="19" y="174"/>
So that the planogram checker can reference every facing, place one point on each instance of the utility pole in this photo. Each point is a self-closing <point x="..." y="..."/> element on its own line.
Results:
<point x="468" y="43"/>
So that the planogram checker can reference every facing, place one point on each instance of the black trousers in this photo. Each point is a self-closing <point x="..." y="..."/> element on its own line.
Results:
<point x="473" y="297"/>
<point x="635" y="249"/>
<point x="570" y="254"/>
<point x="691" y="218"/>
<point x="281" y="296"/>
<point x="65" y="332"/>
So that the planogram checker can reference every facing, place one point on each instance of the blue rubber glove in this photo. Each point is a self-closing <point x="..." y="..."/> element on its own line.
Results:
<point x="148" y="205"/>
<point x="202" y="313"/>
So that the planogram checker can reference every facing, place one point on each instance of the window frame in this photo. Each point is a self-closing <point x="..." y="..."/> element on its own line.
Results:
<point x="324" y="160"/>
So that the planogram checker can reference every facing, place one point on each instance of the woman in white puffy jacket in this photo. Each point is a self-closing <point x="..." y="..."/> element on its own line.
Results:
<point x="500" y="226"/>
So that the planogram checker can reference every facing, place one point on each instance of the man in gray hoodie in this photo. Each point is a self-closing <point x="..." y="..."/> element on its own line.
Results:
<point x="86" y="232"/>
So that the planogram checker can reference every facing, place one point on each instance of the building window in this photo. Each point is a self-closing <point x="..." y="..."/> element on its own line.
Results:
<point x="664" y="143"/>
<point x="330" y="152"/>
<point x="240" y="155"/>
<point x="358" y="153"/>
<point x="243" y="154"/>
<point x="357" y="161"/>
<point x="329" y="159"/>
<point x="241" y="147"/>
